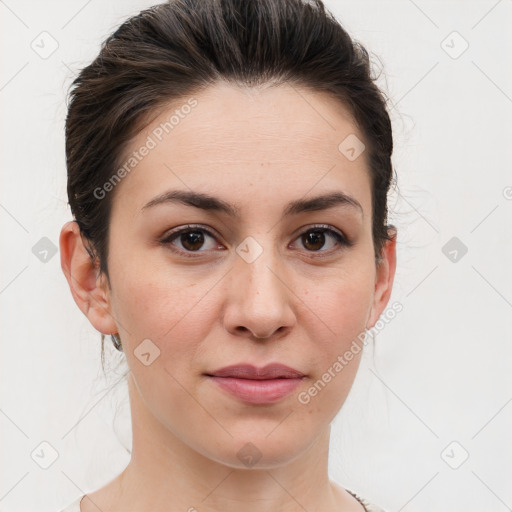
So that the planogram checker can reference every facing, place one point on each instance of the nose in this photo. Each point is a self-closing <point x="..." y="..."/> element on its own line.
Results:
<point x="260" y="301"/>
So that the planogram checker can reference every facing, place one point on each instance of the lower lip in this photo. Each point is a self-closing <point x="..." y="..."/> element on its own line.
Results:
<point x="257" y="391"/>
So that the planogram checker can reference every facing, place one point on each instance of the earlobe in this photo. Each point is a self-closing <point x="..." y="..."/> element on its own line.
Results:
<point x="89" y="289"/>
<point x="384" y="278"/>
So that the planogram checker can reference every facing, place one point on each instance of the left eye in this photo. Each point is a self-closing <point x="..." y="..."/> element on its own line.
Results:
<point x="315" y="238"/>
<point x="192" y="239"/>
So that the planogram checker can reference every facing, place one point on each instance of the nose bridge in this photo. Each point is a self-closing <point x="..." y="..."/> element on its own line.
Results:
<point x="257" y="265"/>
<point x="260" y="301"/>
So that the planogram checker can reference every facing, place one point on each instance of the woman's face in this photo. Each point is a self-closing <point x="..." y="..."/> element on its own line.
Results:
<point x="260" y="278"/>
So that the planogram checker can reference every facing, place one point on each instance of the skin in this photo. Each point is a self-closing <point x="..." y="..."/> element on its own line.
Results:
<point x="257" y="149"/>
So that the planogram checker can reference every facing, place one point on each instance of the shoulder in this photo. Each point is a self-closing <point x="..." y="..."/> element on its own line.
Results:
<point x="74" y="506"/>
<point x="368" y="506"/>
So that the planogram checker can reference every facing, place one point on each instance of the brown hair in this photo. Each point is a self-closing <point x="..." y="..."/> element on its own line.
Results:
<point x="181" y="47"/>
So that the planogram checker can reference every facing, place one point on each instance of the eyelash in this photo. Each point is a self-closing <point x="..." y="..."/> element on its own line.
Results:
<point x="340" y="238"/>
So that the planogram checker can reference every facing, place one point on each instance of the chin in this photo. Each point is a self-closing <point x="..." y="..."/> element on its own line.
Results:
<point x="257" y="449"/>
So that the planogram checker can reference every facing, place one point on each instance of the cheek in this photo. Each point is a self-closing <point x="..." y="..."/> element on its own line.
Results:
<point x="340" y="309"/>
<point x="175" y="310"/>
<point x="343" y="304"/>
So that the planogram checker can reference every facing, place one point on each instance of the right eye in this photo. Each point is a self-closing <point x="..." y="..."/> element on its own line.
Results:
<point x="191" y="239"/>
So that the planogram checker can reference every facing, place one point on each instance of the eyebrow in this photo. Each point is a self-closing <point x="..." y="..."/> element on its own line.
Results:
<point x="211" y="203"/>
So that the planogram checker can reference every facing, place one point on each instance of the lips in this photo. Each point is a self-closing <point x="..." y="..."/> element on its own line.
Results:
<point x="253" y="385"/>
<point x="248" y="371"/>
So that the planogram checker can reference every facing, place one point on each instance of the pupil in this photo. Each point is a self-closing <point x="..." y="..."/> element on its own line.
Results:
<point x="315" y="238"/>
<point x="196" y="239"/>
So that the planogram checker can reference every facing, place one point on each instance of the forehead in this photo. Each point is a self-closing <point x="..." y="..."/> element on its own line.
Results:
<point x="228" y="138"/>
<point x="264" y="118"/>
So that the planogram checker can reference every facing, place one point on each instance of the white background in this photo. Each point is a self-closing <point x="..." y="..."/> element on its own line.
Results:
<point x="441" y="370"/>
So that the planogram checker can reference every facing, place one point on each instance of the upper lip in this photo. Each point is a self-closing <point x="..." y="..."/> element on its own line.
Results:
<point x="248" y="371"/>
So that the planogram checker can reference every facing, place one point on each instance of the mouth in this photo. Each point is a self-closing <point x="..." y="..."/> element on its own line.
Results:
<point x="255" y="385"/>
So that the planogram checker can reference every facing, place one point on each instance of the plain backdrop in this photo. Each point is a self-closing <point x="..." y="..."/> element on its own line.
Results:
<point x="426" y="427"/>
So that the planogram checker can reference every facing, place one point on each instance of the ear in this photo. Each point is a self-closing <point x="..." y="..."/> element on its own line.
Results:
<point x="89" y="290"/>
<point x="385" y="275"/>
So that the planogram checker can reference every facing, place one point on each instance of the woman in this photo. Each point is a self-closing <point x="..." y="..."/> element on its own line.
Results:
<point x="228" y="168"/>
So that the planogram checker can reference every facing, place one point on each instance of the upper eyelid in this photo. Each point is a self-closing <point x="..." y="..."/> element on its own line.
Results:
<point x="190" y="227"/>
